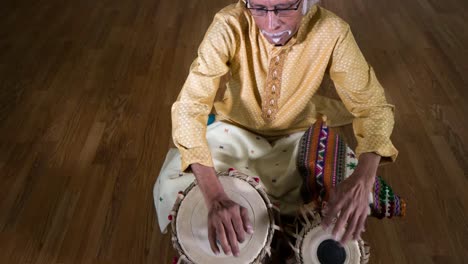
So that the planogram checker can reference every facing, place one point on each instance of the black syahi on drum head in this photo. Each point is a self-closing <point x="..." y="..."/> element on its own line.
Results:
<point x="331" y="252"/>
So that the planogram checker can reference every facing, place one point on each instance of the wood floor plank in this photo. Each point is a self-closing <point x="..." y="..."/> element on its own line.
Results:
<point x="86" y="89"/>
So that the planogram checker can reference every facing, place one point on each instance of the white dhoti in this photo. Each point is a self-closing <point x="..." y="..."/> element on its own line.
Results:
<point x="233" y="147"/>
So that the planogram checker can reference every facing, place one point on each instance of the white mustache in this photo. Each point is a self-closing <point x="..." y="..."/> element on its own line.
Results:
<point x="276" y="35"/>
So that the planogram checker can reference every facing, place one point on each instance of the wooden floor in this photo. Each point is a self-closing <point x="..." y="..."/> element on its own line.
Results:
<point x="85" y="94"/>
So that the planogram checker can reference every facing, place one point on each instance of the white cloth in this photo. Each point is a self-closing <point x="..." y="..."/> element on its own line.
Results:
<point x="234" y="147"/>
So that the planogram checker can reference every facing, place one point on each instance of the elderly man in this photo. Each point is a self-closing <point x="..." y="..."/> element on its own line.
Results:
<point x="276" y="53"/>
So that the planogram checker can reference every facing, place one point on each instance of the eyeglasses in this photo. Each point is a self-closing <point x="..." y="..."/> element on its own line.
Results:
<point x="281" y="12"/>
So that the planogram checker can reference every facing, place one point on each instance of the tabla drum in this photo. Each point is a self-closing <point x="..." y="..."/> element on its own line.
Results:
<point x="190" y="226"/>
<point x="313" y="245"/>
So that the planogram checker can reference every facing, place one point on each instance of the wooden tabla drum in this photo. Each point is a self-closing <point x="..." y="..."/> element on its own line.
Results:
<point x="317" y="246"/>
<point x="190" y="225"/>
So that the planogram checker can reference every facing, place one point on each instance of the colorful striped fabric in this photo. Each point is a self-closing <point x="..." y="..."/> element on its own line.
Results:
<point x="321" y="161"/>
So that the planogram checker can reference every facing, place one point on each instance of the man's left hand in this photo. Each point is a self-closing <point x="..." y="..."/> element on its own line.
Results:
<point x="351" y="199"/>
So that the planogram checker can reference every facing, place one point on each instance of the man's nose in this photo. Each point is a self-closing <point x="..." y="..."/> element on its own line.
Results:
<point x="273" y="21"/>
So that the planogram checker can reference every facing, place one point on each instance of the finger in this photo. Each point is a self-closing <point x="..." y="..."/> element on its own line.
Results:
<point x="361" y="226"/>
<point x="327" y="221"/>
<point x="212" y="239"/>
<point x="327" y="216"/>
<point x="332" y="211"/>
<point x="350" y="229"/>
<point x="245" y="220"/>
<point x="324" y="208"/>
<point x="342" y="220"/>
<point x="231" y="237"/>
<point x="238" y="226"/>
<point x="221" y="234"/>
<point x="337" y="205"/>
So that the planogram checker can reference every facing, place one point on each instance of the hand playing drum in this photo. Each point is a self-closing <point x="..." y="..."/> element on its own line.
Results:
<point x="240" y="220"/>
<point x="227" y="223"/>
<point x="316" y="245"/>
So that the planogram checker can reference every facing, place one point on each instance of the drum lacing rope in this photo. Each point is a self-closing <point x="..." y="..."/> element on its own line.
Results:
<point x="268" y="251"/>
<point x="272" y="206"/>
<point x="181" y="258"/>
<point x="304" y="216"/>
<point x="258" y="187"/>
<point x="172" y="215"/>
<point x="296" y="236"/>
<point x="255" y="182"/>
<point x="365" y="251"/>
<point x="296" y="250"/>
<point x="305" y="212"/>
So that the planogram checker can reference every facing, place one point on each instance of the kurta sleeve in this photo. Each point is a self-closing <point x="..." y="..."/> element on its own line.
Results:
<point x="363" y="95"/>
<point x="190" y="111"/>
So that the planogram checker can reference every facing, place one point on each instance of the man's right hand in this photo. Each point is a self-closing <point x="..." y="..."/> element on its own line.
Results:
<point x="227" y="223"/>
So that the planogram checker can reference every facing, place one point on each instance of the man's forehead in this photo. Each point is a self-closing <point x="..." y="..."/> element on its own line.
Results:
<point x="271" y="2"/>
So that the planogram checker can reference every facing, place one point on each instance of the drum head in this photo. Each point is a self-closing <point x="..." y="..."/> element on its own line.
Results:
<point x="192" y="226"/>
<point x="319" y="246"/>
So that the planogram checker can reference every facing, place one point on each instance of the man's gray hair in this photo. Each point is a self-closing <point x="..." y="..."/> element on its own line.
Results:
<point x="305" y="6"/>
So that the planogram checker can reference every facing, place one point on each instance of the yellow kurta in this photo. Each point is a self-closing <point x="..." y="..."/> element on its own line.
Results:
<point x="272" y="89"/>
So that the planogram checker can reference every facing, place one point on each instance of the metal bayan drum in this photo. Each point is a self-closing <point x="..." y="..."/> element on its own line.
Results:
<point x="190" y="225"/>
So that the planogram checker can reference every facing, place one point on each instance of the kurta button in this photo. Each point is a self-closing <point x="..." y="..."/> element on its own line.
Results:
<point x="272" y="101"/>
<point x="273" y="89"/>
<point x="269" y="112"/>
